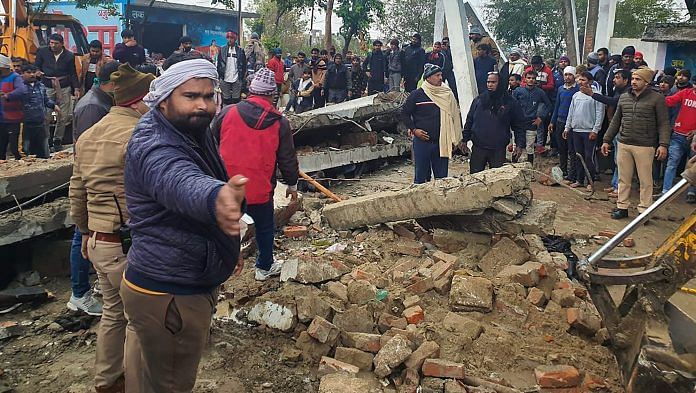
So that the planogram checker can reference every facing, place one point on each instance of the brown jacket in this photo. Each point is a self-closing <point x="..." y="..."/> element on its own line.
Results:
<point x="84" y="67"/>
<point x="640" y="120"/>
<point x="98" y="172"/>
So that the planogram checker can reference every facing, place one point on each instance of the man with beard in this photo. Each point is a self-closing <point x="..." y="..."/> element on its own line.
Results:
<point x="255" y="141"/>
<point x="488" y="123"/>
<point x="683" y="79"/>
<point x="91" y="64"/>
<point x="626" y="63"/>
<point x="375" y="67"/>
<point x="414" y="60"/>
<point x="184" y="223"/>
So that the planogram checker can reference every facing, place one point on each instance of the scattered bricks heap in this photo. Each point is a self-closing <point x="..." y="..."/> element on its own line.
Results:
<point x="398" y="308"/>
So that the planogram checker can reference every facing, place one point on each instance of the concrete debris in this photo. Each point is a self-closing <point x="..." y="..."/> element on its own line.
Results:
<point x="312" y="350"/>
<point x="463" y="326"/>
<point x="35" y="221"/>
<point x="361" y="359"/>
<point x="28" y="178"/>
<point x="310" y="305"/>
<point x="361" y="292"/>
<point x="312" y="271"/>
<point x="323" y="331"/>
<point x="363" y="341"/>
<point x="429" y="349"/>
<point x="355" y="319"/>
<point x="470" y="293"/>
<point x="329" y="365"/>
<point x="526" y="274"/>
<point x="392" y="354"/>
<point x="273" y="315"/>
<point x="442" y="368"/>
<point x="469" y="195"/>
<point x="503" y="253"/>
<point x="347" y="383"/>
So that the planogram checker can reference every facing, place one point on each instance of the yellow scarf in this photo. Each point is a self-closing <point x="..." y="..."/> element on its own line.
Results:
<point x="450" y="118"/>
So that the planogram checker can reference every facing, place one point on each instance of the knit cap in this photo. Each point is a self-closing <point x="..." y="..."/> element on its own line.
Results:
<point x="130" y="86"/>
<point x="263" y="83"/>
<point x="569" y="70"/>
<point x="564" y="58"/>
<point x="430" y="70"/>
<point x="593" y="58"/>
<point x="629" y="50"/>
<point x="645" y="74"/>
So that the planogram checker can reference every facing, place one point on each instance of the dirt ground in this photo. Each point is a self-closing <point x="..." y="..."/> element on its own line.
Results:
<point x="257" y="359"/>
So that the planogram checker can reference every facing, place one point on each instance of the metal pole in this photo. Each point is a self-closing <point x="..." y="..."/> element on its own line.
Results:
<point x="311" y="26"/>
<point x="638" y="221"/>
<point x="239" y="23"/>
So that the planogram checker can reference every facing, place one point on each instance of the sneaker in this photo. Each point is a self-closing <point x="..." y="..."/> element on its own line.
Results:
<point x="618" y="214"/>
<point x="690" y="198"/>
<point x="263" y="275"/>
<point x="540" y="150"/>
<point x="87" y="304"/>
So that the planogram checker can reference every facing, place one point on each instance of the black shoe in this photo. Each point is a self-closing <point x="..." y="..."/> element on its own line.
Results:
<point x="618" y="214"/>
<point x="530" y="158"/>
<point x="690" y="198"/>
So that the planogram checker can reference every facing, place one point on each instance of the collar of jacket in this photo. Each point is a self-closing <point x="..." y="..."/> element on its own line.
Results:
<point x="646" y="92"/>
<point x="102" y="95"/>
<point x="125" y="111"/>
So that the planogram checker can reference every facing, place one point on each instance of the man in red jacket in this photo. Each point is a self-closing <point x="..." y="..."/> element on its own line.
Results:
<point x="684" y="129"/>
<point x="255" y="139"/>
<point x="546" y="83"/>
<point x="276" y="65"/>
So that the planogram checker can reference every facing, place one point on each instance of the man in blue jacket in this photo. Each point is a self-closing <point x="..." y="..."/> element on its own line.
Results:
<point x="560" y="113"/>
<point x="488" y="123"/>
<point x="184" y="222"/>
<point x="535" y="105"/>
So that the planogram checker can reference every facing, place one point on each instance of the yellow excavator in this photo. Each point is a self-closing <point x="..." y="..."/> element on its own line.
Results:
<point x="652" y="330"/>
<point x="23" y="32"/>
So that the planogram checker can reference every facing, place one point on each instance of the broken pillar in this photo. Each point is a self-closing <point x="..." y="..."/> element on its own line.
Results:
<point x="28" y="223"/>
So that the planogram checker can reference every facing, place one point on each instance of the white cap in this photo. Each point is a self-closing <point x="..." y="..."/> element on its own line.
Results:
<point x="5" y="62"/>
<point x="569" y="70"/>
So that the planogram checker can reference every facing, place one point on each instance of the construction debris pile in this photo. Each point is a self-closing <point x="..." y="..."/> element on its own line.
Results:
<point x="395" y="307"/>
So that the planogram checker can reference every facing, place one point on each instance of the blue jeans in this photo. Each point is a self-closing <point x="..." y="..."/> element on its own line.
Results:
<point x="615" y="178"/>
<point x="79" y="267"/>
<point x="678" y="147"/>
<point x="426" y="159"/>
<point x="264" y="225"/>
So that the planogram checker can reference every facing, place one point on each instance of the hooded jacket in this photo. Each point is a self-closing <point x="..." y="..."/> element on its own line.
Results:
<point x="255" y="139"/>
<point x="544" y="78"/>
<point x="534" y="103"/>
<point x="414" y="60"/>
<point x="35" y="103"/>
<point x="172" y="181"/>
<point x="490" y="130"/>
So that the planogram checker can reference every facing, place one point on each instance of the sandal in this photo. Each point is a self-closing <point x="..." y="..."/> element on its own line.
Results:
<point x="590" y="188"/>
<point x="575" y="185"/>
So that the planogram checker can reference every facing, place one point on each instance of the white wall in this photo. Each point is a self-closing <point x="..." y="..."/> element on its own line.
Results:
<point x="653" y="52"/>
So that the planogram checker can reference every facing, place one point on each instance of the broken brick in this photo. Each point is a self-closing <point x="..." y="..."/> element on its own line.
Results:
<point x="441" y="268"/>
<point x="441" y="368"/>
<point x="402" y="231"/>
<point x="443" y="284"/>
<point x="295" y="231"/>
<point x="445" y="257"/>
<point x="414" y="315"/>
<point x="338" y="290"/>
<point x="323" y="330"/>
<point x="392" y="354"/>
<point x="471" y="294"/>
<point x="629" y="242"/>
<point x="367" y="342"/>
<point x="361" y="292"/>
<point x="387" y="321"/>
<point x="311" y="348"/>
<point x="607" y="233"/>
<point x="583" y="321"/>
<point x="421" y="286"/>
<point x="409" y="247"/>
<point x="361" y="359"/>
<point x="564" y="297"/>
<point x="329" y="365"/>
<point x="413" y="336"/>
<point x="537" y="297"/>
<point x="527" y="274"/>
<point x="429" y="349"/>
<point x="410" y="380"/>
<point x="560" y="376"/>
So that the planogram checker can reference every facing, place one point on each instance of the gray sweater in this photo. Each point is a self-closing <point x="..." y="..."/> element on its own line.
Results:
<point x="585" y="114"/>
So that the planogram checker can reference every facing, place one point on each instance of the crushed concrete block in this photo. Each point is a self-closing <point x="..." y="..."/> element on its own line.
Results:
<point x="442" y="368"/>
<point x="361" y="359"/>
<point x="358" y="139"/>
<point x="323" y="331"/>
<point x="527" y="274"/>
<point x="392" y="354"/>
<point x="560" y="376"/>
<point x="443" y="284"/>
<point x="411" y="301"/>
<point x="363" y="341"/>
<point x="462" y="325"/>
<point x="471" y="193"/>
<point x="451" y="241"/>
<point x="387" y="321"/>
<point x="348" y="383"/>
<point x="471" y="294"/>
<point x="537" y="218"/>
<point x="441" y="268"/>
<point x="564" y="297"/>
<point x="329" y="365"/>
<point x="338" y="290"/>
<point x="35" y="221"/>
<point x="312" y="350"/>
<point x="533" y="243"/>
<point x="414" y="315"/>
<point x="312" y="271"/>
<point x="310" y="306"/>
<point x="504" y="253"/>
<point x="361" y="292"/>
<point x="429" y="349"/>
<point x="28" y="178"/>
<point x="355" y="319"/>
<point x="507" y="206"/>
<point x="273" y="315"/>
<point x="413" y="335"/>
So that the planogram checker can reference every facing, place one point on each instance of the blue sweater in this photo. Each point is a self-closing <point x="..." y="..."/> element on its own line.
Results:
<point x="35" y="103"/>
<point x="563" y="100"/>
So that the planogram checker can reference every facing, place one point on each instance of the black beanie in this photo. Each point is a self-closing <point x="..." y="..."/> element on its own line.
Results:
<point x="629" y="50"/>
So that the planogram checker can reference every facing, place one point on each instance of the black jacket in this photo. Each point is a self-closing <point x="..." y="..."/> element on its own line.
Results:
<point x="338" y="77"/>
<point x="419" y="111"/>
<point x="222" y="62"/>
<point x="490" y="130"/>
<point x="376" y="65"/>
<point x="63" y="67"/>
<point x="414" y="60"/>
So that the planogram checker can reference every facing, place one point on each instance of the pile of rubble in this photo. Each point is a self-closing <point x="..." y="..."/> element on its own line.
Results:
<point x="398" y="308"/>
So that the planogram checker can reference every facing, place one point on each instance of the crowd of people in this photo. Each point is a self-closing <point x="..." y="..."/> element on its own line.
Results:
<point x="169" y="153"/>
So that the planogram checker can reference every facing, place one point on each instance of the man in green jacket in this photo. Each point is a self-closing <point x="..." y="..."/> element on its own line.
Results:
<point x="642" y="122"/>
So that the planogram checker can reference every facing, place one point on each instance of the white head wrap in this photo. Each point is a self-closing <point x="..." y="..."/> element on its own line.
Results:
<point x="177" y="75"/>
<point x="5" y="62"/>
<point x="569" y="70"/>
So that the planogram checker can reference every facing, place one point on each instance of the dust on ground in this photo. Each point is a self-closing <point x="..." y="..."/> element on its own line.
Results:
<point x="243" y="358"/>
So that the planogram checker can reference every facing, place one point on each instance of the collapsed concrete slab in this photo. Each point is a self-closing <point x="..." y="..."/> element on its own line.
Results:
<point x="27" y="178"/>
<point x="334" y="158"/>
<point x="471" y="194"/>
<point x="25" y="224"/>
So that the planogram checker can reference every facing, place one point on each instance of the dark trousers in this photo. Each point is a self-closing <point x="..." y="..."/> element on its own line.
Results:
<point x="427" y="160"/>
<point x="495" y="158"/>
<point x="562" y="146"/>
<point x="572" y="159"/>
<point x="375" y="86"/>
<point x="35" y="140"/>
<point x="9" y="134"/>
<point x="79" y="267"/>
<point x="586" y="147"/>
<point x="337" y="95"/>
<point x="410" y="83"/>
<point x="264" y="226"/>
<point x="318" y="97"/>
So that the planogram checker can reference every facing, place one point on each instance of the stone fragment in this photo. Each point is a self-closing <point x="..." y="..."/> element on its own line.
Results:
<point x="392" y="354"/>
<point x="402" y="231"/>
<point x="363" y="341"/>
<point x="453" y="386"/>
<point x="533" y="243"/>
<point x="273" y="315"/>
<point x="564" y="297"/>
<point x="387" y="321"/>
<point x="527" y="274"/>
<point x="361" y="292"/>
<point x="414" y="315"/>
<point x="443" y="284"/>
<point x="348" y="383"/>
<point x="355" y="319"/>
<point x="429" y="349"/>
<point x="295" y="231"/>
<point x="444" y="257"/>
<point x="311" y="271"/>
<point x="410" y="380"/>
<point x="504" y="253"/>
<point x="537" y="297"/>
<point x="602" y="336"/>
<point x="323" y="331"/>
<point x="409" y="247"/>
<point x="360" y="359"/>
<point x="432" y="385"/>
<point x="421" y="286"/>
<point x="560" y="376"/>
<point x="451" y="241"/>
<point x="329" y="365"/>
<point x="411" y="301"/>
<point x="471" y="294"/>
<point x="312" y="350"/>
<point x="583" y="321"/>
<point x="338" y="290"/>
<point x="441" y="368"/>
<point x="461" y="325"/>
<point x="310" y="306"/>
